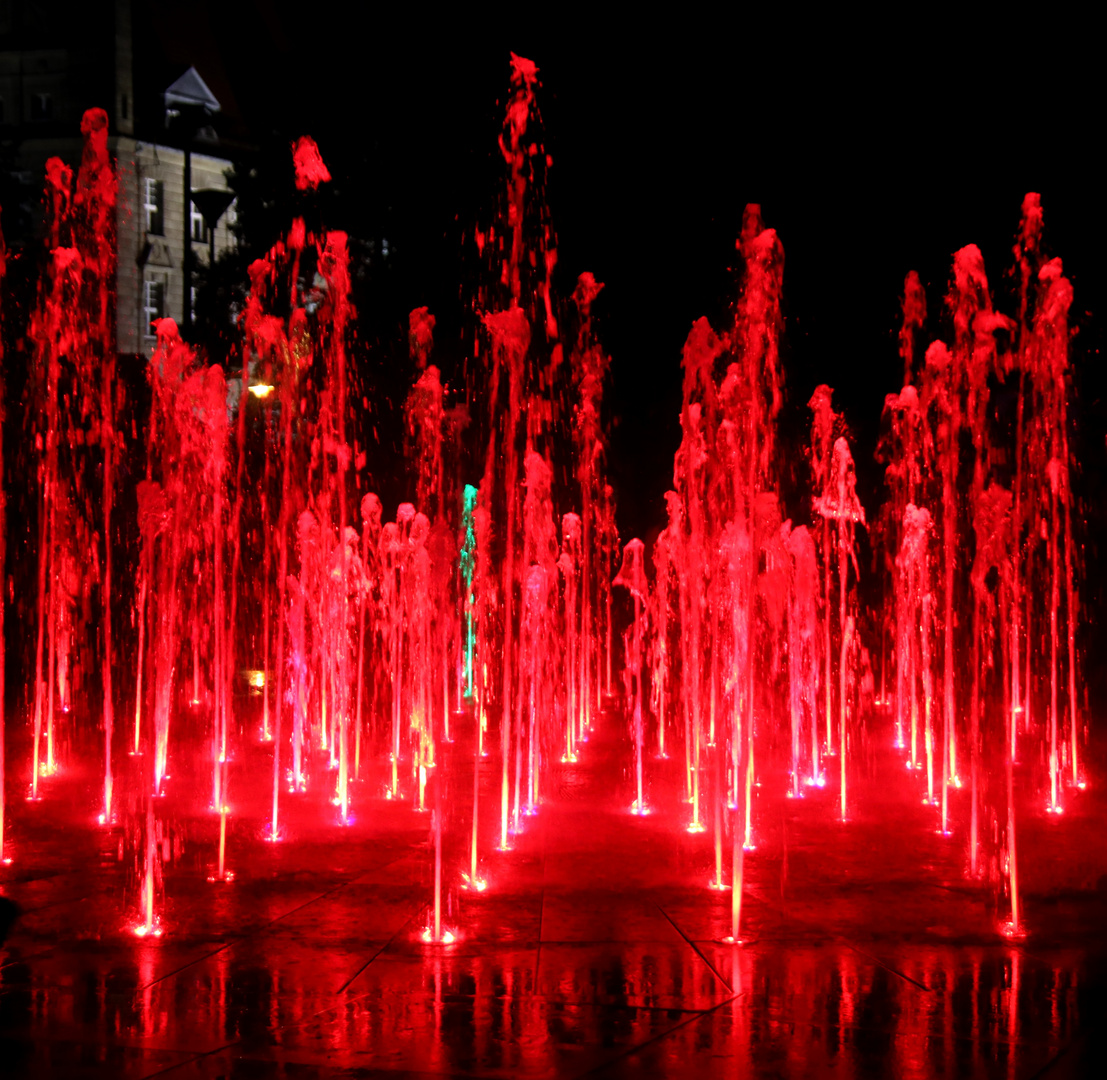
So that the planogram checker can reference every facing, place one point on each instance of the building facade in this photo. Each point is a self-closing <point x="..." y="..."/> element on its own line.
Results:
<point x="153" y="230"/>
<point x="158" y="134"/>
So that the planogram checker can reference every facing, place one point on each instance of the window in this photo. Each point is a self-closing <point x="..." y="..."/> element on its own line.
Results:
<point x="154" y="194"/>
<point x="153" y="302"/>
<point x="199" y="228"/>
<point x="42" y="106"/>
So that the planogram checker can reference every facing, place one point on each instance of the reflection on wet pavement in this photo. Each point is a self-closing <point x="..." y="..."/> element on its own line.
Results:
<point x="596" y="950"/>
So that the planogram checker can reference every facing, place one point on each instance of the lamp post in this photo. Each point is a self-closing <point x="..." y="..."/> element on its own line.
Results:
<point x="212" y="204"/>
<point x="189" y="109"/>
<point x="187" y="120"/>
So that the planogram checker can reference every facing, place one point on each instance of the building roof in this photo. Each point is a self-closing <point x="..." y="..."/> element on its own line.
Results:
<point x="190" y="89"/>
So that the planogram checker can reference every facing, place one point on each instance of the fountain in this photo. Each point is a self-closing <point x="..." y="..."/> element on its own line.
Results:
<point x="464" y="640"/>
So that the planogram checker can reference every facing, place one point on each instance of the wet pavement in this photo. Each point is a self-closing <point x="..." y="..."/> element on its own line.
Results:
<point x="596" y="949"/>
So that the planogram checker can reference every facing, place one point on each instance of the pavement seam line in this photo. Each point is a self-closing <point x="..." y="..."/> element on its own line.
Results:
<point x="714" y="970"/>
<point x="887" y="967"/>
<point x="258" y="930"/>
<point x="345" y="986"/>
<point x="660" y="1035"/>
<point x="190" y="1061"/>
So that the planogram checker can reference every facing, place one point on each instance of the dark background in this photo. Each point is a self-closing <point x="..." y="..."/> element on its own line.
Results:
<point x="872" y="149"/>
<point x="874" y="146"/>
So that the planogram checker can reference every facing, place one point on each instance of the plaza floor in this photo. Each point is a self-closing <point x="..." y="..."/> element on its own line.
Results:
<point x="596" y="949"/>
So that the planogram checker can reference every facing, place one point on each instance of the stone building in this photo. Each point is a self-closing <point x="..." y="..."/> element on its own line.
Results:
<point x="163" y="122"/>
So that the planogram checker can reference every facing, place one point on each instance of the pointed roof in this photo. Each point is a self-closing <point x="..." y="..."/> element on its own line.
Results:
<point x="190" y="89"/>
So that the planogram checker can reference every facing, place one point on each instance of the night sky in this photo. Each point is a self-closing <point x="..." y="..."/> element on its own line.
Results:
<point x="873" y="150"/>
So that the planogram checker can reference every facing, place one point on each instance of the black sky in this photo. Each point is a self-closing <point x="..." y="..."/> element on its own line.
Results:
<point x="872" y="148"/>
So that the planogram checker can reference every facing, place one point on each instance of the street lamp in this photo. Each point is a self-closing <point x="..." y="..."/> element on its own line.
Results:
<point x="189" y="108"/>
<point x="212" y="204"/>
